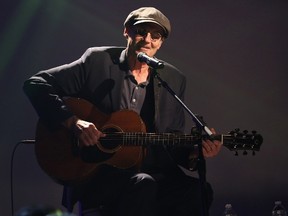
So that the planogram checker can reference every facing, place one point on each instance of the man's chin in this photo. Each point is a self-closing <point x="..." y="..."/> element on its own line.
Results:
<point x="145" y="50"/>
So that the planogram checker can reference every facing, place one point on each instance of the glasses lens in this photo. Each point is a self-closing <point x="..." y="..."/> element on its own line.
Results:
<point x="155" y="35"/>
<point x="141" y="32"/>
<point x="144" y="32"/>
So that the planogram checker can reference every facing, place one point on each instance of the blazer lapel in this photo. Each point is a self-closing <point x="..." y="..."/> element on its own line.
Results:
<point x="117" y="73"/>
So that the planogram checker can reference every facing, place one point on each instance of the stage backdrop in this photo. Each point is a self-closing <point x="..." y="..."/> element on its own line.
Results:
<point x="234" y="54"/>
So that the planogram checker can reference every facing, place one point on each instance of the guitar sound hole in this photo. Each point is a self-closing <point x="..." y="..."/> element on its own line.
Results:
<point x="106" y="149"/>
<point x="113" y="139"/>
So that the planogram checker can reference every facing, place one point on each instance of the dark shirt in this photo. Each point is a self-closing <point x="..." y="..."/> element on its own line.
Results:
<point x="133" y="94"/>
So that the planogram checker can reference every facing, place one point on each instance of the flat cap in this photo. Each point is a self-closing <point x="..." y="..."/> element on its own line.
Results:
<point x="146" y="15"/>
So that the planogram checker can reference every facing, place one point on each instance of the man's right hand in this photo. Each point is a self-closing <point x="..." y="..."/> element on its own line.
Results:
<point x="85" y="131"/>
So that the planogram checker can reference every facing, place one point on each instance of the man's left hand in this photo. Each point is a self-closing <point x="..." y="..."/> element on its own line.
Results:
<point x="211" y="148"/>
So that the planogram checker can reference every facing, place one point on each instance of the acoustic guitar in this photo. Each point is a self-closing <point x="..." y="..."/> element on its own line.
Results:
<point x="61" y="156"/>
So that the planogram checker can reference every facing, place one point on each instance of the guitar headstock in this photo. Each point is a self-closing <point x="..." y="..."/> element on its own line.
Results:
<point x="237" y="140"/>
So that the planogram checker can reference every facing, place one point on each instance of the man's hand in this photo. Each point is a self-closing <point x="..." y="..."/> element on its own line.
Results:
<point x="86" y="132"/>
<point x="211" y="148"/>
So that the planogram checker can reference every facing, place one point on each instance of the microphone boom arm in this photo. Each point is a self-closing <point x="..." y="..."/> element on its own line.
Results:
<point x="194" y="117"/>
<point x="201" y="164"/>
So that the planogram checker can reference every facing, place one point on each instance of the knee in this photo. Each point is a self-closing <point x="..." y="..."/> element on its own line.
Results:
<point x="144" y="180"/>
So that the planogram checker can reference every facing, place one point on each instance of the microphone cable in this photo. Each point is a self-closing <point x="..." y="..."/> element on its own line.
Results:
<point x="11" y="170"/>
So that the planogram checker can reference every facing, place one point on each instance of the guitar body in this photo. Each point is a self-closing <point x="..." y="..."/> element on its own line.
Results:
<point x="61" y="157"/>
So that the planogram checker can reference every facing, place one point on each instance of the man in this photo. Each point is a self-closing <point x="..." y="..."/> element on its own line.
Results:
<point x="113" y="79"/>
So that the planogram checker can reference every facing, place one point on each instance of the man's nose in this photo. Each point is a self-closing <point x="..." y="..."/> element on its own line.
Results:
<point x="148" y="38"/>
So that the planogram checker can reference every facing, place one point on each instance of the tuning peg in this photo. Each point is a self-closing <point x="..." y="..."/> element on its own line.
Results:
<point x="254" y="132"/>
<point x="245" y="131"/>
<point x="236" y="153"/>
<point x="245" y="153"/>
<point x="253" y="153"/>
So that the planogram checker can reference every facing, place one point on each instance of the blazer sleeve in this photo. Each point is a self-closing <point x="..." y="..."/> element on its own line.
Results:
<point x="47" y="88"/>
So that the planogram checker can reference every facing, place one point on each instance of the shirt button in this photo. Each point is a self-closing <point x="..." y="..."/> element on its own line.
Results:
<point x="133" y="100"/>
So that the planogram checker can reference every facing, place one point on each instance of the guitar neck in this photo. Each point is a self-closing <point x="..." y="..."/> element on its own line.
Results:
<point x="167" y="139"/>
<point x="232" y="141"/>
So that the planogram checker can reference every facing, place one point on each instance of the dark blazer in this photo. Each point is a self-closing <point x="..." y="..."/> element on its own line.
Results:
<point x="98" y="77"/>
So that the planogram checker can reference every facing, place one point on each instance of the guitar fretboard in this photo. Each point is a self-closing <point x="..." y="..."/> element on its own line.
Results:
<point x="144" y="139"/>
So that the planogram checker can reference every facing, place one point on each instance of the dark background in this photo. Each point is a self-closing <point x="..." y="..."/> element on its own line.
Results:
<point x="233" y="52"/>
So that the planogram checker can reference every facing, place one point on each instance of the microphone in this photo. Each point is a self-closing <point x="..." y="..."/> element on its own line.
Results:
<point x="152" y="62"/>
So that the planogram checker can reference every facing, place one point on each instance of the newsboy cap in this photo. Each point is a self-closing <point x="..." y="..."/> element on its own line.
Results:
<point x="146" y="15"/>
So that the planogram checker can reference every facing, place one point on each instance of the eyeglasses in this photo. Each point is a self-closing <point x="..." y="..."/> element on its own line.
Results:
<point x="155" y="36"/>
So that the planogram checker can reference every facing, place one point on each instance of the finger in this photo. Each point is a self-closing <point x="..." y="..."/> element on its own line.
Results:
<point x="88" y="134"/>
<point x="206" y="147"/>
<point x="85" y="140"/>
<point x="209" y="148"/>
<point x="94" y="135"/>
<point x="205" y="153"/>
<point x="213" y="130"/>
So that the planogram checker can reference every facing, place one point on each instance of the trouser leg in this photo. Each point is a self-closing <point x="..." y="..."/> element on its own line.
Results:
<point x="121" y="194"/>
<point x="183" y="197"/>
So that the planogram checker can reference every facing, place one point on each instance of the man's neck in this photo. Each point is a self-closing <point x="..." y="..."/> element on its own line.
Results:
<point x="141" y="75"/>
<point x="139" y="70"/>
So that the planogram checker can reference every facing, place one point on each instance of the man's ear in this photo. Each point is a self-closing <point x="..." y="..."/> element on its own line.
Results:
<point x="125" y="33"/>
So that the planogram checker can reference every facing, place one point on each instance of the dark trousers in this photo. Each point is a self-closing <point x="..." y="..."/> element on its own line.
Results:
<point x="126" y="193"/>
<point x="183" y="197"/>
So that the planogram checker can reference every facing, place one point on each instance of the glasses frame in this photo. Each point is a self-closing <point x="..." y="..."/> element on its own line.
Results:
<point x="142" y="32"/>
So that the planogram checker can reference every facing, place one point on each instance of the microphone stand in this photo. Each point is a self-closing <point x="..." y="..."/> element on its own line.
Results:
<point x="201" y="165"/>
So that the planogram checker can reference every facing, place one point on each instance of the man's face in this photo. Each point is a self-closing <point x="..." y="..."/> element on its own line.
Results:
<point x="145" y="37"/>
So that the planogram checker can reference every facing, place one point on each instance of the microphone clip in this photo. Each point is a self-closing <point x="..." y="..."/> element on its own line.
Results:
<point x="150" y="61"/>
